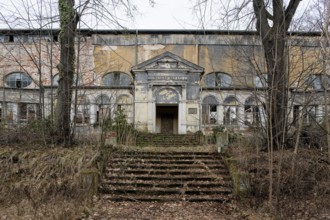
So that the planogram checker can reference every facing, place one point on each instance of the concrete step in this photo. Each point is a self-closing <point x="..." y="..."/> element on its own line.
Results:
<point x="171" y="184"/>
<point x="166" y="176"/>
<point x="169" y="172"/>
<point x="168" y="198"/>
<point x="164" y="190"/>
<point x="162" y="161"/>
<point x="165" y="166"/>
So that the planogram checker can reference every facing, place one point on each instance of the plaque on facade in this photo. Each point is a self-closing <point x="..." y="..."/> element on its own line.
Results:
<point x="192" y="111"/>
<point x="167" y="78"/>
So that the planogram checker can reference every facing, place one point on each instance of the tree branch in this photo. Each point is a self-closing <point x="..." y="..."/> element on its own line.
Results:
<point x="290" y="11"/>
<point x="262" y="17"/>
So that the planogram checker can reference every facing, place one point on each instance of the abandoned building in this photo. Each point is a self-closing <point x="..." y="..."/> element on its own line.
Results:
<point x="166" y="81"/>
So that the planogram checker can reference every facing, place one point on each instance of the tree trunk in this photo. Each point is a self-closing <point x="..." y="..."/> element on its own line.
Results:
<point x="274" y="44"/>
<point x="278" y="78"/>
<point x="68" y="21"/>
<point x="325" y="68"/>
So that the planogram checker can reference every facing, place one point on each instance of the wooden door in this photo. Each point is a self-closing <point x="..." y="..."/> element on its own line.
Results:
<point x="167" y="123"/>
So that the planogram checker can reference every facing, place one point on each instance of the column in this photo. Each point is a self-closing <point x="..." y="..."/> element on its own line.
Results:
<point x="263" y="115"/>
<point x="92" y="113"/>
<point x="182" y="120"/>
<point x="151" y="111"/>
<point x="240" y="116"/>
<point x="220" y="110"/>
<point x="319" y="112"/>
<point x="15" y="112"/>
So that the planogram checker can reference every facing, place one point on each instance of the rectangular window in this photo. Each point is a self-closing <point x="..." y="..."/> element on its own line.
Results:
<point x="213" y="114"/>
<point x="307" y="113"/>
<point x="209" y="114"/>
<point x="31" y="112"/>
<point x="23" y="111"/>
<point x="230" y="115"/>
<point x="310" y="114"/>
<point x="296" y="115"/>
<point x="82" y="115"/>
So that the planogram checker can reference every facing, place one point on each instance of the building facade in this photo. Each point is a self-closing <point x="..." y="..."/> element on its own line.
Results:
<point x="165" y="81"/>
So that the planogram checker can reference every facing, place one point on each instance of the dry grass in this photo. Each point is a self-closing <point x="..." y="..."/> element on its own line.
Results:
<point x="43" y="183"/>
<point x="302" y="193"/>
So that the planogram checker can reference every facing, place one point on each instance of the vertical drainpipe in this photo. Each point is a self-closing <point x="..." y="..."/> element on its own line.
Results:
<point x="4" y="107"/>
<point x="200" y="89"/>
<point x="136" y="47"/>
<point x="136" y="62"/>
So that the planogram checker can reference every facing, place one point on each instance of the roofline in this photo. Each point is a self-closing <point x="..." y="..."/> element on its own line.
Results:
<point x="90" y="32"/>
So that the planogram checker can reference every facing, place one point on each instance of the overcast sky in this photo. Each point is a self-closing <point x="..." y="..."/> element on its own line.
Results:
<point x="164" y="14"/>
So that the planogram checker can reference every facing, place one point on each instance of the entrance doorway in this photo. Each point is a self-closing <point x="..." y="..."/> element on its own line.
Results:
<point x="167" y="119"/>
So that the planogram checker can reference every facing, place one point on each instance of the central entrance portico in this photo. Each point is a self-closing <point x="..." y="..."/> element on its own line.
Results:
<point x="167" y="86"/>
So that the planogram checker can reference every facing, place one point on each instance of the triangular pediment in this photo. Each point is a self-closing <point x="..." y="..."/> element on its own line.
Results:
<point x="167" y="61"/>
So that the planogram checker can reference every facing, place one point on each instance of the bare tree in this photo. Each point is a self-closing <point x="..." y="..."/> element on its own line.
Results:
<point x="69" y="19"/>
<point x="325" y="51"/>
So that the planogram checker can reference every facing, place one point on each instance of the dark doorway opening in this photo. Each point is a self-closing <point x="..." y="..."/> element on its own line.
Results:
<point x="167" y="119"/>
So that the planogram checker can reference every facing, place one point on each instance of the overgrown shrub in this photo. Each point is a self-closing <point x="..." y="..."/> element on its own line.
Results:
<point x="120" y="125"/>
<point x="34" y="132"/>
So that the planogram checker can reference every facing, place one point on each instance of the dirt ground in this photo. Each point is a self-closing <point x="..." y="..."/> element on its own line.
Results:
<point x="104" y="209"/>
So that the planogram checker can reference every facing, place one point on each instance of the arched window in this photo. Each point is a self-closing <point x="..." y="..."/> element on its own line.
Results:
<point x="83" y="113"/>
<point x="252" y="108"/>
<point x="55" y="80"/>
<point x="260" y="81"/>
<point x="103" y="100"/>
<point x="57" y="77"/>
<point x="217" y="79"/>
<point x="317" y="81"/>
<point x="117" y="79"/>
<point x="230" y="111"/>
<point x="209" y="110"/>
<point x="224" y="80"/>
<point x="18" y="80"/>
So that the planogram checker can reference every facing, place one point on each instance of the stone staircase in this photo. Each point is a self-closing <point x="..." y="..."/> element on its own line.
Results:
<point x="145" y="139"/>
<point x="166" y="176"/>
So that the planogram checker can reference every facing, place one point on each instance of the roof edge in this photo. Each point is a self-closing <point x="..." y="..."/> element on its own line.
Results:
<point x="150" y="31"/>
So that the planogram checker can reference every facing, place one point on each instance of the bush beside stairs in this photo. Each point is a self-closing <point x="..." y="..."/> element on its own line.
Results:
<point x="166" y="175"/>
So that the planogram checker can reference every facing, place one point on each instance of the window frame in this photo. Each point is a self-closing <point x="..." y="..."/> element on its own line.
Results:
<point x="117" y="79"/>
<point x="261" y="81"/>
<point x="18" y="80"/>
<point x="218" y="80"/>
<point x="209" y="110"/>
